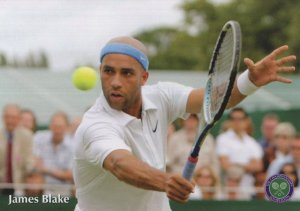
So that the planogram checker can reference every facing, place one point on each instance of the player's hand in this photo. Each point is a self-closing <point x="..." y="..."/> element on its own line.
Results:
<point x="267" y="70"/>
<point x="179" y="189"/>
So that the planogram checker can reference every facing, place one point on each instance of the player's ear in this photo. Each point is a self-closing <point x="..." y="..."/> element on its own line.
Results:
<point x="145" y="75"/>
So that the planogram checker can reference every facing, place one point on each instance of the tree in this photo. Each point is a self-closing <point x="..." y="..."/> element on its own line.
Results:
<point x="3" y="60"/>
<point x="265" y="26"/>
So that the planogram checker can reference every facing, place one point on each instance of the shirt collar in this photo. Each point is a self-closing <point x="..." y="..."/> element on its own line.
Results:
<point x="147" y="103"/>
<point x="123" y="117"/>
<point x="233" y="134"/>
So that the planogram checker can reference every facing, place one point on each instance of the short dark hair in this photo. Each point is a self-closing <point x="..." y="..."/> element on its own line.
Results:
<point x="294" y="172"/>
<point x="272" y="116"/>
<point x="237" y="109"/>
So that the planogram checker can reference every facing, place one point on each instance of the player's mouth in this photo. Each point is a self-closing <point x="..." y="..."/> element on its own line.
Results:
<point x="115" y="96"/>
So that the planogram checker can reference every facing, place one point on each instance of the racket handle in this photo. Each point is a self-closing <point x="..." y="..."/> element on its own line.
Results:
<point x="189" y="167"/>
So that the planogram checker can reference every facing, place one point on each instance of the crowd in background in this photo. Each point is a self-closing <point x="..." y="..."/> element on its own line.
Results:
<point x="233" y="165"/>
<point x="41" y="159"/>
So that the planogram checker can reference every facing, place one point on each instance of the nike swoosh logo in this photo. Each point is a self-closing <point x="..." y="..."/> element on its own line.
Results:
<point x="154" y="130"/>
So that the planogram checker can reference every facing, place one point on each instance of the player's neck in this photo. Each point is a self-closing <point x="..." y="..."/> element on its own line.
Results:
<point x="135" y="110"/>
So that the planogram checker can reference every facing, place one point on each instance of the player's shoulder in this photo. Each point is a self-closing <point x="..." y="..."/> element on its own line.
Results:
<point x="99" y="120"/>
<point x="163" y="90"/>
<point x="163" y="85"/>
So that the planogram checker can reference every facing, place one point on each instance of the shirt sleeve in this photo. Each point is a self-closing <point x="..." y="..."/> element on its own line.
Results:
<point x="100" y="140"/>
<point x="175" y="96"/>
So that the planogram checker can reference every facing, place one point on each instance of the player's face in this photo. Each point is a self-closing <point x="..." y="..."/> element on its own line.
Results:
<point x="121" y="79"/>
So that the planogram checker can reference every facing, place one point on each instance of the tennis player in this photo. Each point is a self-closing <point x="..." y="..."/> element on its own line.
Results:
<point x="121" y="142"/>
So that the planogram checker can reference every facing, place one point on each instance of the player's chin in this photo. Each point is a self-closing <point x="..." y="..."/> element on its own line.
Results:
<point x="117" y="104"/>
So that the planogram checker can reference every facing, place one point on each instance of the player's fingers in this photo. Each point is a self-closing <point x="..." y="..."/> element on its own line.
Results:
<point x="279" y="50"/>
<point x="286" y="69"/>
<point x="179" y="188"/>
<point x="249" y="63"/>
<point x="188" y="185"/>
<point x="178" y="198"/>
<point x="283" y="80"/>
<point x="286" y="59"/>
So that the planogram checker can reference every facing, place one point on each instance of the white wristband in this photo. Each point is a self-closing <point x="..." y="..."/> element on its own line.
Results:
<point x="245" y="86"/>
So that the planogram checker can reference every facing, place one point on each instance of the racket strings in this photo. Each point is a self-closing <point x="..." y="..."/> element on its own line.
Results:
<point x="221" y="73"/>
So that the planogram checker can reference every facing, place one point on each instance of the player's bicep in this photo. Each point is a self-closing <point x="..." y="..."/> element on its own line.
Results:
<point x="111" y="161"/>
<point x="195" y="101"/>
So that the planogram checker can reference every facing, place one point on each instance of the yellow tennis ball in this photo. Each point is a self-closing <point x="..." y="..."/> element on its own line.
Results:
<point x="84" y="78"/>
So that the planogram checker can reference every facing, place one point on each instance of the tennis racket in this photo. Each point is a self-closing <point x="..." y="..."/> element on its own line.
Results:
<point x="221" y="77"/>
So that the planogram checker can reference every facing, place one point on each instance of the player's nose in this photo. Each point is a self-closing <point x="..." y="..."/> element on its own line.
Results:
<point x="116" y="82"/>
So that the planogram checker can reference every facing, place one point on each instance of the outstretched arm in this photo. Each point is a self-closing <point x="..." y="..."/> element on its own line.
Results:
<point x="260" y="74"/>
<point x="129" y="169"/>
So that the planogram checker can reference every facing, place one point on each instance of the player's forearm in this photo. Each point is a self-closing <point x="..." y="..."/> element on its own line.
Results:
<point x="236" y="97"/>
<point x="129" y="169"/>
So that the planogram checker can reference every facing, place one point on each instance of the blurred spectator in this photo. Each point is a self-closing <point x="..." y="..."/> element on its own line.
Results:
<point x="250" y="127"/>
<point x="269" y="122"/>
<point x="269" y="156"/>
<point x="294" y="158"/>
<point x="236" y="147"/>
<point x="28" y="120"/>
<point x="181" y="142"/>
<point x="284" y="133"/>
<point x="171" y="131"/>
<point x="55" y="154"/>
<point x="233" y="188"/>
<point x="290" y="170"/>
<point x="260" y="178"/>
<point x="207" y="184"/>
<point x="34" y="179"/>
<point x="225" y="126"/>
<point x="16" y="157"/>
<point x="74" y="125"/>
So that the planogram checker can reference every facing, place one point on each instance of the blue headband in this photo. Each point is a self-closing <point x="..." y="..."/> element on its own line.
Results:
<point x="127" y="50"/>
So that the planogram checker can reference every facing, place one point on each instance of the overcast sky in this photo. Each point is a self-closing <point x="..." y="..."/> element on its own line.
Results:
<point x="73" y="31"/>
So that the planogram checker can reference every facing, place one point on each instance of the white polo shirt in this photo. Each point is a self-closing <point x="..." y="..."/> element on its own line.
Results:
<point x="239" y="151"/>
<point x="104" y="130"/>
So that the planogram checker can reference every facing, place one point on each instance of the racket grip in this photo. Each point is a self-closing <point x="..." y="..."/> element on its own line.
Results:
<point x="189" y="167"/>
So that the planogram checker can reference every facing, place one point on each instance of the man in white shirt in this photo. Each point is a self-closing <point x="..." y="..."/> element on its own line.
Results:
<point x="121" y="141"/>
<point x="53" y="152"/>
<point x="236" y="147"/>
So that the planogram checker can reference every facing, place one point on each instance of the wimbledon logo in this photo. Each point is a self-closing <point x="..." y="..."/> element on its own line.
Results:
<point x="279" y="188"/>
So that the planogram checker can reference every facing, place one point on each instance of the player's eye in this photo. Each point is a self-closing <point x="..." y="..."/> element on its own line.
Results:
<point x="127" y="72"/>
<point x="108" y="70"/>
